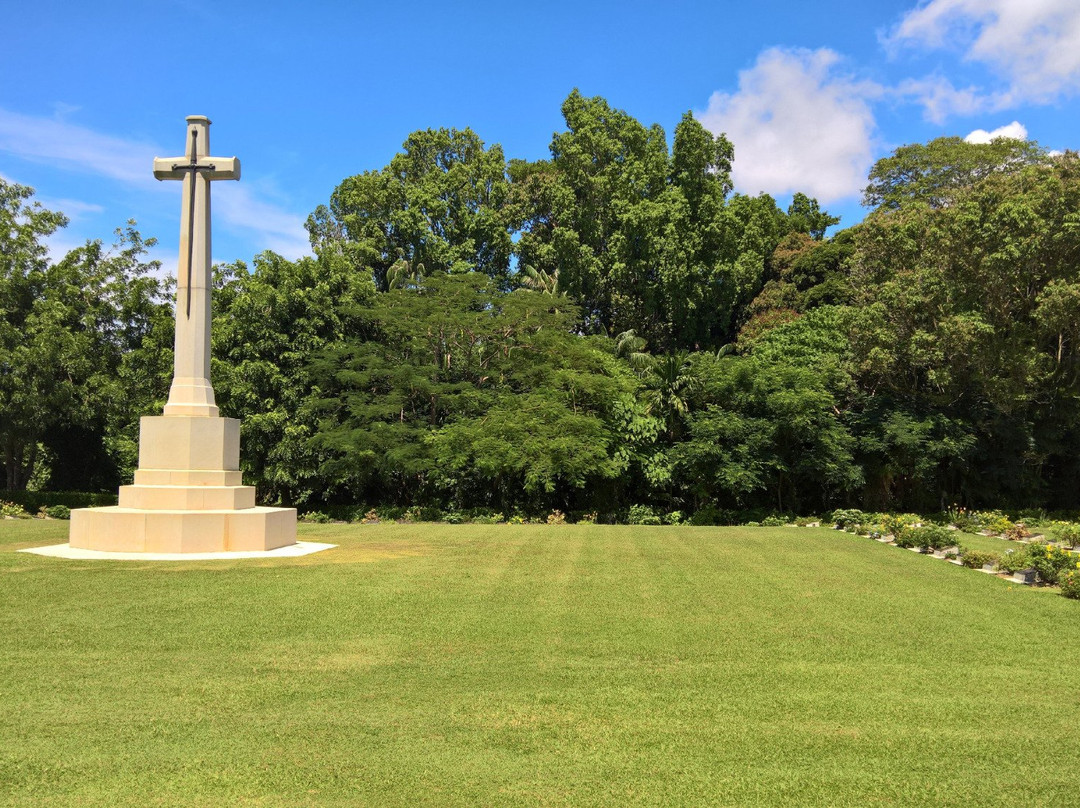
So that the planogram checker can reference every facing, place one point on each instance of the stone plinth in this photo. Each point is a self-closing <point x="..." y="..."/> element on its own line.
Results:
<point x="187" y="496"/>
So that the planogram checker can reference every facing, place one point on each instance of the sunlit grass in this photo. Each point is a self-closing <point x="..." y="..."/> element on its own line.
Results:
<point x="499" y="665"/>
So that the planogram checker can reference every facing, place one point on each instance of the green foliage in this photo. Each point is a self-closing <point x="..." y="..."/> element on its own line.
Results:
<point x="641" y="239"/>
<point x="710" y="515"/>
<point x="642" y="515"/>
<point x="1051" y="561"/>
<point x="898" y="524"/>
<point x="465" y="393"/>
<point x="963" y="519"/>
<point x="607" y="327"/>
<point x="437" y="207"/>
<point x="13" y="510"/>
<point x="848" y="517"/>
<point x="805" y="216"/>
<point x="57" y="511"/>
<point x="36" y="500"/>
<point x="69" y="336"/>
<point x="930" y="537"/>
<point x="270" y="324"/>
<point x="941" y="171"/>
<point x="1070" y="584"/>
<point x="1068" y="534"/>
<point x="1015" y="560"/>
<point x="1015" y="532"/>
<point x="977" y="559"/>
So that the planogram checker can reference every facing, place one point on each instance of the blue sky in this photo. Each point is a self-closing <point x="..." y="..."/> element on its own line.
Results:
<point x="305" y="95"/>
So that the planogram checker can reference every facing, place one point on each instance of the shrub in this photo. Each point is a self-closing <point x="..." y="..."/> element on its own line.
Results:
<point x="977" y="559"/>
<point x="370" y="518"/>
<point x="422" y="513"/>
<point x="642" y="515"/>
<point x="316" y="518"/>
<point x="906" y="538"/>
<point x="963" y="518"/>
<point x="587" y="518"/>
<point x="1035" y="518"/>
<point x="774" y="521"/>
<point x="932" y="537"/>
<point x="1070" y="584"/>
<point x="1014" y="561"/>
<point x="1068" y="534"/>
<point x="13" y="510"/>
<point x="57" y="511"/>
<point x="849" y="517"/>
<point x="673" y="518"/>
<point x="999" y="525"/>
<point x="1015" y="532"/>
<point x="898" y="524"/>
<point x="707" y="517"/>
<point x="557" y="517"/>
<point x="34" y="501"/>
<point x="1050" y="561"/>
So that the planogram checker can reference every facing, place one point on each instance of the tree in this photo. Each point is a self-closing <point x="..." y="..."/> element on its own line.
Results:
<point x="963" y="312"/>
<point x="934" y="173"/>
<point x="65" y="331"/>
<point x="269" y="326"/>
<point x="669" y="384"/>
<point x="643" y="240"/>
<point x="462" y="393"/>
<point x="806" y="216"/>
<point x="23" y="260"/>
<point x="437" y="207"/>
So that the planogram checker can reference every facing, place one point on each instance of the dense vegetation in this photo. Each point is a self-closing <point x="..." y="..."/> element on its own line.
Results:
<point x="607" y="328"/>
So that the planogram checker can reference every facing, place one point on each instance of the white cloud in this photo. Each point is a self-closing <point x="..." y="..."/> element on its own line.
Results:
<point x="1034" y="44"/>
<point x="75" y="148"/>
<point x="279" y="230"/>
<point x="80" y="149"/>
<point x="72" y="208"/>
<point x="797" y="125"/>
<point x="1014" y="130"/>
<point x="940" y="99"/>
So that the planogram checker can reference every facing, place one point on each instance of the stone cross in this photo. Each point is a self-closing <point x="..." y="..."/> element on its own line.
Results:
<point x="191" y="393"/>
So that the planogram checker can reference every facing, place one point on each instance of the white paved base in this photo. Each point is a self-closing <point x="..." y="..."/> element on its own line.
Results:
<point x="301" y="548"/>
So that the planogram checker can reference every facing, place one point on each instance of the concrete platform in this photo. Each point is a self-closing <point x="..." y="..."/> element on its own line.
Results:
<point x="137" y="530"/>
<point x="300" y="548"/>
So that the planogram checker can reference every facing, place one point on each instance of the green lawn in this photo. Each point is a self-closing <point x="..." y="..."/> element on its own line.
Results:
<point x="496" y="665"/>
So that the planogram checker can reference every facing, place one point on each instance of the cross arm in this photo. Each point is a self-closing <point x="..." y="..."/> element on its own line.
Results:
<point x="214" y="168"/>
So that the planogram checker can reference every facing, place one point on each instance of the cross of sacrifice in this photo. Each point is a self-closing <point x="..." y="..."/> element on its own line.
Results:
<point x="191" y="393"/>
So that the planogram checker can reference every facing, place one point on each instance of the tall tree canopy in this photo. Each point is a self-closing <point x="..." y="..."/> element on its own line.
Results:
<point x="437" y="207"/>
<point x="612" y="326"/>
<point x="67" y="333"/>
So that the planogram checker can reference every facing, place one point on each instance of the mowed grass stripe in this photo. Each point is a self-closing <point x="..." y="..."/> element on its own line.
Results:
<point x="500" y="665"/>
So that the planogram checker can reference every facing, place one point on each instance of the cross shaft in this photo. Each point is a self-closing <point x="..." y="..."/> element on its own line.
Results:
<point x="191" y="393"/>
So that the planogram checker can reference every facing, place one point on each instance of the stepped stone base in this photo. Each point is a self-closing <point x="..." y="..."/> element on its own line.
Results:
<point x="187" y="496"/>
<point x="134" y="530"/>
